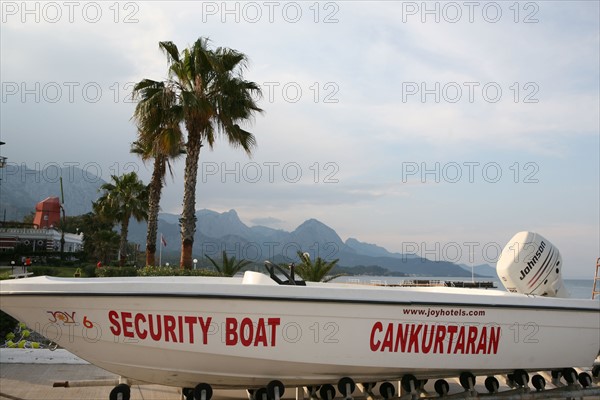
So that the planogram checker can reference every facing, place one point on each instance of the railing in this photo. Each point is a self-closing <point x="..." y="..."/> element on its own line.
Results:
<point x="596" y="288"/>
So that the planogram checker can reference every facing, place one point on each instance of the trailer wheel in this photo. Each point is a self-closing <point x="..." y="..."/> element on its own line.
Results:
<point x="585" y="379"/>
<point x="441" y="387"/>
<point x="120" y="392"/>
<point x="492" y="384"/>
<point x="521" y="377"/>
<point x="275" y="390"/>
<point x="346" y="386"/>
<point x="187" y="393"/>
<point x="261" y="394"/>
<point x="406" y="383"/>
<point x="538" y="382"/>
<point x="203" y="391"/>
<point x="327" y="392"/>
<point x="570" y="375"/>
<point x="467" y="380"/>
<point x="387" y="390"/>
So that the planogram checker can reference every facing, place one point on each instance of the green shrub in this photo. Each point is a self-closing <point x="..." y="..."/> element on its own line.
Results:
<point x="89" y="270"/>
<point x="7" y="323"/>
<point x="43" y="270"/>
<point x="171" y="271"/>
<point x="109" y="272"/>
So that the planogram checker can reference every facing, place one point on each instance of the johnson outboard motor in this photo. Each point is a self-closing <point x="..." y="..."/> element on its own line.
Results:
<point x="530" y="264"/>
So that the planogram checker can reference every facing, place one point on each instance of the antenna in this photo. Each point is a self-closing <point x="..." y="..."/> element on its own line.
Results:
<point x="62" y="231"/>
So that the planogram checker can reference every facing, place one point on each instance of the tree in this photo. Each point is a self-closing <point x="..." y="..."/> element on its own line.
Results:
<point x="159" y="139"/>
<point x="211" y="99"/>
<point x="229" y="266"/>
<point x="28" y="219"/>
<point x="161" y="162"/>
<point x="315" y="271"/>
<point x="99" y="240"/>
<point x="125" y="197"/>
<point x="101" y="244"/>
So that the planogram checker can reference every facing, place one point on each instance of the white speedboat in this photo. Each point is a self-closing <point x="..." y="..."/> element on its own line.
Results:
<point x="246" y="332"/>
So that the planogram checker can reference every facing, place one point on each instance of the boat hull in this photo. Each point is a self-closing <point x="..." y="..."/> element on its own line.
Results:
<point x="236" y="335"/>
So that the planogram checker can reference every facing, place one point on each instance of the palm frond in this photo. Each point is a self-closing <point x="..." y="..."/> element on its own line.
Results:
<point x="214" y="263"/>
<point x="170" y="49"/>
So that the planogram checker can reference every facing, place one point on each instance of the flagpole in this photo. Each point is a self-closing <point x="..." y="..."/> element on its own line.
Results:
<point x="160" y="252"/>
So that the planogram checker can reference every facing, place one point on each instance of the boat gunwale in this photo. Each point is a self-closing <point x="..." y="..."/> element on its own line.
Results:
<point x="392" y="302"/>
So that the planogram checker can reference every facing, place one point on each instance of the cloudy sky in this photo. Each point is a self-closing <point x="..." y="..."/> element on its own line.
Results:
<point x="417" y="126"/>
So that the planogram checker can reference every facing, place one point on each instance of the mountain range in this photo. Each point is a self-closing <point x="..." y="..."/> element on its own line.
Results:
<point x="22" y="188"/>
<point x="225" y="231"/>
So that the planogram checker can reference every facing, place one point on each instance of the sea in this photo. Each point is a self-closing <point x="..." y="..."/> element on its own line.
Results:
<point x="578" y="288"/>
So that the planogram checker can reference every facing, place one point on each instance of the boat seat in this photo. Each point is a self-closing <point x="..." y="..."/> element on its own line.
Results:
<point x="290" y="277"/>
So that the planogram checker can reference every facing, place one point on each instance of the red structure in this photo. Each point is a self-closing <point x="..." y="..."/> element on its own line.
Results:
<point x="47" y="213"/>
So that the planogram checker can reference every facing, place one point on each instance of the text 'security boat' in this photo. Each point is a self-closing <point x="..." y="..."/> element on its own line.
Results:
<point x="247" y="332"/>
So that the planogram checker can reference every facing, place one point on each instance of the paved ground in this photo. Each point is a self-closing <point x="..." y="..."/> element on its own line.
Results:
<point x="30" y="375"/>
<point x="34" y="382"/>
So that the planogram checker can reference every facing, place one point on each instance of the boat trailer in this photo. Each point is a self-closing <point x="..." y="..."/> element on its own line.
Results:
<point x="568" y="383"/>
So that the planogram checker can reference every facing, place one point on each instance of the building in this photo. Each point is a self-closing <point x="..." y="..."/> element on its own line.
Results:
<point x="39" y="240"/>
<point x="43" y="236"/>
<point x="47" y="213"/>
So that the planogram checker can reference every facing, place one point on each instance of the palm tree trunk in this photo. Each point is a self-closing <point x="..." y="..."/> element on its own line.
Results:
<point x="123" y="242"/>
<point x="155" y="189"/>
<point x="188" y="216"/>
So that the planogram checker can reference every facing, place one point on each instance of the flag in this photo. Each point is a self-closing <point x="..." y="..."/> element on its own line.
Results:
<point x="162" y="240"/>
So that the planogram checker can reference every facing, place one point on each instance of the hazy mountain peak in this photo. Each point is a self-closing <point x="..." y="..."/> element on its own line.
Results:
<point x="367" y="248"/>
<point x="313" y="223"/>
<point x="214" y="224"/>
<point x="314" y="231"/>
<point x="231" y="214"/>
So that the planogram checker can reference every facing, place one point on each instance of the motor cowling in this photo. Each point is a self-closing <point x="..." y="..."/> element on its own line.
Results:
<point x="530" y="264"/>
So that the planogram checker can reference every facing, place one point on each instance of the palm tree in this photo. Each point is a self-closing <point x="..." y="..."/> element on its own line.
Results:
<point x="103" y="244"/>
<point x="160" y="139"/>
<point x="317" y="271"/>
<point x="229" y="267"/>
<point x="125" y="197"/>
<point x="212" y="99"/>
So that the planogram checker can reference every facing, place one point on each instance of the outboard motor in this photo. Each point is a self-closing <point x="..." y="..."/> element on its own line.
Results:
<point x="530" y="264"/>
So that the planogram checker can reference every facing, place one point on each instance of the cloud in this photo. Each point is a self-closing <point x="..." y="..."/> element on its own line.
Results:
<point x="267" y="221"/>
<point x="365" y="57"/>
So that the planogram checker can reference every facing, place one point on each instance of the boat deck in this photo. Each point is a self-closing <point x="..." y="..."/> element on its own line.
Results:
<point x="458" y="284"/>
